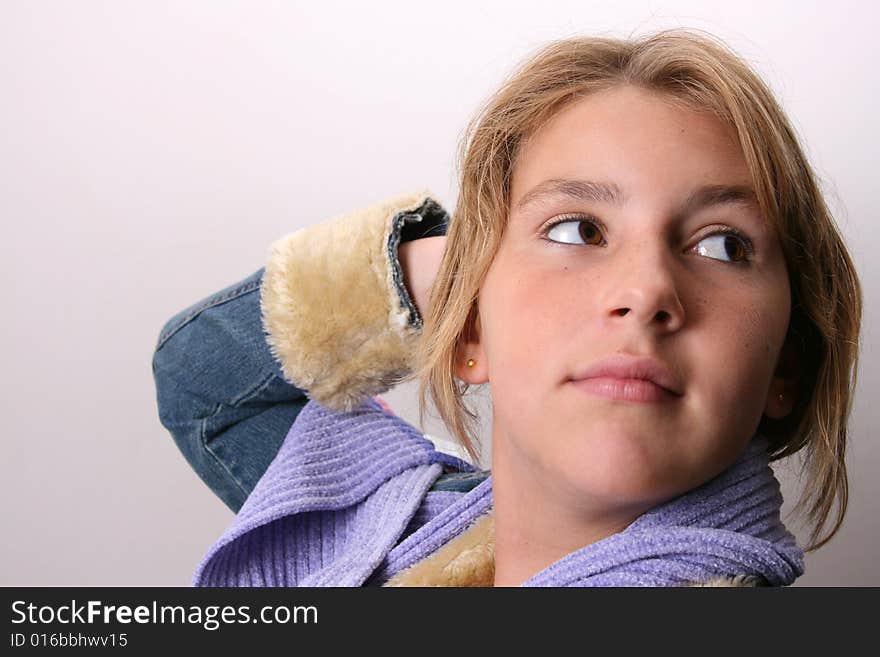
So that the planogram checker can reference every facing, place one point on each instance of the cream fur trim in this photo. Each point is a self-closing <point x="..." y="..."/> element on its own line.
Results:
<point x="332" y="314"/>
<point x="733" y="581"/>
<point x="466" y="560"/>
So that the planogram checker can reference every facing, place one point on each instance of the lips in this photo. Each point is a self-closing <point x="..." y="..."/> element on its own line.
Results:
<point x="620" y="370"/>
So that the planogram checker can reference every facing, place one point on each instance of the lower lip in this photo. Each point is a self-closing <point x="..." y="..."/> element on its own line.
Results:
<point x="632" y="390"/>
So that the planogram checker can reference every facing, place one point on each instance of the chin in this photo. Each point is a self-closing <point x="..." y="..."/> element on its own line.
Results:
<point x="621" y="478"/>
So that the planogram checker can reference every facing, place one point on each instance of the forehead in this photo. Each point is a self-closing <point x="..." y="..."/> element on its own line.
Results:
<point x="628" y="138"/>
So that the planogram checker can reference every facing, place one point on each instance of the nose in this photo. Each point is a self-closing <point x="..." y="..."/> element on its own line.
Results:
<point x="643" y="290"/>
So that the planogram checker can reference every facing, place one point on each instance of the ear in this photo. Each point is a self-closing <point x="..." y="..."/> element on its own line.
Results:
<point x="785" y="382"/>
<point x="470" y="347"/>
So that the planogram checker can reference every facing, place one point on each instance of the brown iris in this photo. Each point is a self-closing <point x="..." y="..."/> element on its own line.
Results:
<point x="588" y="232"/>
<point x="734" y="248"/>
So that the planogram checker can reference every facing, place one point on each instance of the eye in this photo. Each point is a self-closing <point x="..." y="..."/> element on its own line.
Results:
<point x="726" y="244"/>
<point x="574" y="231"/>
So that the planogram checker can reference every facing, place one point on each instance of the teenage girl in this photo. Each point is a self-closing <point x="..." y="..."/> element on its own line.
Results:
<point x="642" y="269"/>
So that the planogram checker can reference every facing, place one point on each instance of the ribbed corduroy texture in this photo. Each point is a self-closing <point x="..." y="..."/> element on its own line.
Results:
<point x="346" y="503"/>
<point x="333" y="503"/>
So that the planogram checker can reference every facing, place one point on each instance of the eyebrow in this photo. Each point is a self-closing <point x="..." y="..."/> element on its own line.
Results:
<point x="586" y="190"/>
<point x="581" y="190"/>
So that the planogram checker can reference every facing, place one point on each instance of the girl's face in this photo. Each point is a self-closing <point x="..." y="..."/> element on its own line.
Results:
<point x="636" y="267"/>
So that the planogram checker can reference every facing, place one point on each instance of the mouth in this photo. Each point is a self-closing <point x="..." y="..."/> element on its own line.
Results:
<point x="624" y="377"/>
<point x="631" y="390"/>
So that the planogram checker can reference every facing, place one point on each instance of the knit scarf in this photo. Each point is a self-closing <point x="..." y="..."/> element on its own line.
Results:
<point x="727" y="527"/>
<point x="346" y="502"/>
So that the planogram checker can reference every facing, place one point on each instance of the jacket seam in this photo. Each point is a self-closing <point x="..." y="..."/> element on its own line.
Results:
<point x="261" y="385"/>
<point x="203" y="439"/>
<point x="209" y="303"/>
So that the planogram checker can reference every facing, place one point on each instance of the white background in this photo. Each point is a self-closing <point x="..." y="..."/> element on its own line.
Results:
<point x="151" y="151"/>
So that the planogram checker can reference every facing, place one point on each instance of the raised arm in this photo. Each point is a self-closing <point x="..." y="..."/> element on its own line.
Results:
<point x="339" y="318"/>
<point x="333" y="317"/>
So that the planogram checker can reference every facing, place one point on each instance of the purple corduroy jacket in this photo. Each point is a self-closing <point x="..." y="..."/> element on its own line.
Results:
<point x="340" y="504"/>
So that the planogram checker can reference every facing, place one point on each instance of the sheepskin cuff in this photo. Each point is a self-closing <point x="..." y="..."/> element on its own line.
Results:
<point x="336" y="312"/>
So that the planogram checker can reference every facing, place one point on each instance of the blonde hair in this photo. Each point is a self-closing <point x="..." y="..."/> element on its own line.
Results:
<point x="702" y="73"/>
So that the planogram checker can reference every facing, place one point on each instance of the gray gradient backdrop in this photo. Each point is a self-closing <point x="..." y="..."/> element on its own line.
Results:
<point x="151" y="151"/>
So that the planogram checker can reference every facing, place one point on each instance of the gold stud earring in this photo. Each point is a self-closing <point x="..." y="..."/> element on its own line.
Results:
<point x="780" y="396"/>
<point x="471" y="362"/>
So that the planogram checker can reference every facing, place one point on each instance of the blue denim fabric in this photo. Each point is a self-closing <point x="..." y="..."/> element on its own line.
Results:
<point x="223" y="398"/>
<point x="428" y="220"/>
<point x="222" y="395"/>
<point x="220" y="392"/>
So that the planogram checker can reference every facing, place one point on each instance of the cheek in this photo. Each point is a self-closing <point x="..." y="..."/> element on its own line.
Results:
<point x="738" y="357"/>
<point x="523" y="322"/>
<point x="525" y="312"/>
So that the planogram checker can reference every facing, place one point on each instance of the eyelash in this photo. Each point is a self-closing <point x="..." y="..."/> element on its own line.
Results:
<point x="721" y="230"/>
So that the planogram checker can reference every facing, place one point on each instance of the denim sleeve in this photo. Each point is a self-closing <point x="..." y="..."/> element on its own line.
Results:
<point x="220" y="393"/>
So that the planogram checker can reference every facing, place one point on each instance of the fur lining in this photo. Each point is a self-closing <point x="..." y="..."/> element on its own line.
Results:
<point x="733" y="581"/>
<point x="466" y="560"/>
<point x="334" y="318"/>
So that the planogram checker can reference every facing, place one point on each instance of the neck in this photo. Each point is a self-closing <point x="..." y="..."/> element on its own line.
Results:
<point x="536" y="523"/>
